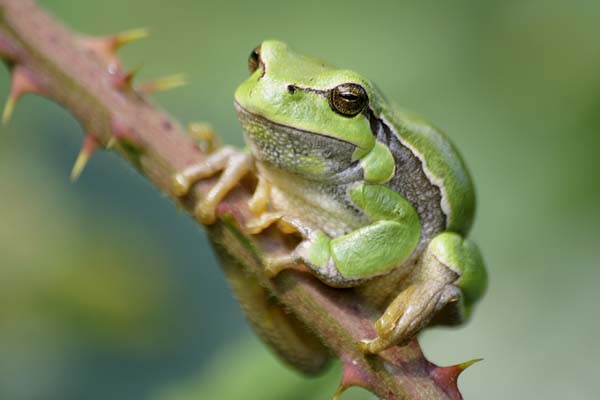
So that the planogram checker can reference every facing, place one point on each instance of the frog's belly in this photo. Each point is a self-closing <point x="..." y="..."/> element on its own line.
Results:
<point x="314" y="205"/>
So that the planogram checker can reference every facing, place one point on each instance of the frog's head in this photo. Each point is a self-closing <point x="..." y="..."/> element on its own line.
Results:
<point x="303" y="115"/>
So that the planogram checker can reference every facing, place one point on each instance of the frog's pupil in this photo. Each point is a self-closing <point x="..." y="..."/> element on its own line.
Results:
<point x="348" y="99"/>
<point x="349" y="96"/>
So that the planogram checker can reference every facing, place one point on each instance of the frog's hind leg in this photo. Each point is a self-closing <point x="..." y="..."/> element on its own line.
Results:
<point x="234" y="164"/>
<point x="450" y="277"/>
<point x="283" y="332"/>
<point x="410" y="312"/>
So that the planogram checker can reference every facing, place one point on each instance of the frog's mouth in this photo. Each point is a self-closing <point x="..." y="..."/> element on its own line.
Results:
<point x="244" y="114"/>
<point x="288" y="148"/>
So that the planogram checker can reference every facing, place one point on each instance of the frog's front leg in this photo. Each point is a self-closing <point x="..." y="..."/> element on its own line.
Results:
<point x="233" y="164"/>
<point x="264" y="219"/>
<point x="375" y="249"/>
<point x="451" y="272"/>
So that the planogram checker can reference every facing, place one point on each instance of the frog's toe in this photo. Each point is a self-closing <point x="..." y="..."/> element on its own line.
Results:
<point x="258" y="224"/>
<point x="259" y="200"/>
<point x="180" y="185"/>
<point x="206" y="212"/>
<point x="409" y="313"/>
<point x="204" y="134"/>
<point x="236" y="167"/>
<point x="274" y="265"/>
<point x="381" y="343"/>
<point x="388" y="322"/>
<point x="372" y="346"/>
<point x="385" y="327"/>
<point x="425" y="304"/>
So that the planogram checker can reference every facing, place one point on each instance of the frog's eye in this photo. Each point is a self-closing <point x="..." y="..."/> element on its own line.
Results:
<point x="348" y="99"/>
<point x="254" y="60"/>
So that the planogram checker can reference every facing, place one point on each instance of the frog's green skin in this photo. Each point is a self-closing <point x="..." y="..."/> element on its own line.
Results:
<point x="381" y="198"/>
<point x="373" y="193"/>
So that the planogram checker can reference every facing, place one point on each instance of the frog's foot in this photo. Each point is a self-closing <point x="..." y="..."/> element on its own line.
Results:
<point x="233" y="164"/>
<point x="265" y="220"/>
<point x="451" y="272"/>
<point x="204" y="134"/>
<point x="410" y="312"/>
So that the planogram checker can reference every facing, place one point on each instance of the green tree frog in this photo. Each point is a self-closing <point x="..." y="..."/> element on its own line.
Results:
<point x="381" y="198"/>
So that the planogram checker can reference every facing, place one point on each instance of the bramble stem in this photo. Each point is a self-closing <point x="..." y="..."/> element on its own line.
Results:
<point x="86" y="78"/>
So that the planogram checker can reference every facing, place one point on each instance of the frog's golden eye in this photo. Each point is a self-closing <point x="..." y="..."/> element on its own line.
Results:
<point x="254" y="60"/>
<point x="348" y="99"/>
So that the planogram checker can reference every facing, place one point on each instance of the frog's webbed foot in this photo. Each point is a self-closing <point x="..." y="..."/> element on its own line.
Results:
<point x="264" y="219"/>
<point x="450" y="272"/>
<point x="410" y="312"/>
<point x="274" y="264"/>
<point x="233" y="164"/>
<point x="267" y="219"/>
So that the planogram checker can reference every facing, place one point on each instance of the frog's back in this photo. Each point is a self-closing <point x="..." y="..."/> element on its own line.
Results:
<point x="448" y="201"/>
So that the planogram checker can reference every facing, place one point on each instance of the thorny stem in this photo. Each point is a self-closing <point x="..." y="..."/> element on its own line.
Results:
<point x="84" y="75"/>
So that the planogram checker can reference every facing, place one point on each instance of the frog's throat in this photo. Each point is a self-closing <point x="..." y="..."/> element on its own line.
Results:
<point x="264" y="120"/>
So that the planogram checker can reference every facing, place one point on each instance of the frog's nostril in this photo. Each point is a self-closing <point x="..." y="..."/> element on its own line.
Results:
<point x="291" y="89"/>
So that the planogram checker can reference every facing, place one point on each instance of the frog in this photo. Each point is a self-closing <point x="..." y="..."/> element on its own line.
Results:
<point x="381" y="199"/>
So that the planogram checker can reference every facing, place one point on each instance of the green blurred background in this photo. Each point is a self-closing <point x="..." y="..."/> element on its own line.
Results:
<point x="107" y="291"/>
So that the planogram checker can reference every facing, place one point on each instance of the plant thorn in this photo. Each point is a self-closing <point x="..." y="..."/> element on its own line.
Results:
<point x="122" y="80"/>
<point x="90" y="144"/>
<point x="106" y="46"/>
<point x="163" y="84"/>
<point x="352" y="376"/>
<point x="123" y="38"/>
<point x="467" y="364"/>
<point x="112" y="142"/>
<point x="21" y="84"/>
<point x="447" y="377"/>
<point x="9" y="108"/>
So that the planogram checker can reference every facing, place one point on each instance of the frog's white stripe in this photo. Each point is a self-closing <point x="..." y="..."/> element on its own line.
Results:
<point x="434" y="179"/>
